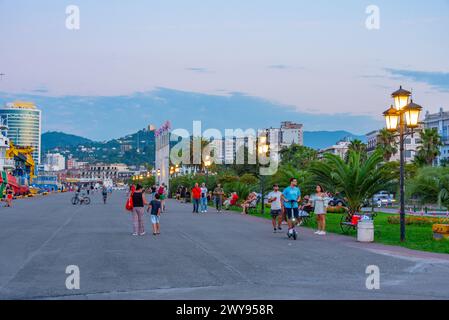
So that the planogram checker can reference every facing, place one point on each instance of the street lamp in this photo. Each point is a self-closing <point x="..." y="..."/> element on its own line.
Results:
<point x="262" y="148"/>
<point x="403" y="118"/>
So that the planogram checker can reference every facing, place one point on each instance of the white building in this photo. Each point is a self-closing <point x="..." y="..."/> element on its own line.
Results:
<point x="440" y="122"/>
<point x="411" y="145"/>
<point x="339" y="149"/>
<point x="54" y="162"/>
<point x="291" y="133"/>
<point x="5" y="164"/>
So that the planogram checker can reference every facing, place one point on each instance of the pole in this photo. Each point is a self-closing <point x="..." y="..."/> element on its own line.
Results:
<point x="401" y="179"/>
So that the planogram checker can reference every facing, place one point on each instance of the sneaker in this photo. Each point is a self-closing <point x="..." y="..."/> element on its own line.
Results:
<point x="317" y="232"/>
<point x="274" y="230"/>
<point x="135" y="234"/>
<point x="280" y="228"/>
<point x="142" y="234"/>
<point x="322" y="233"/>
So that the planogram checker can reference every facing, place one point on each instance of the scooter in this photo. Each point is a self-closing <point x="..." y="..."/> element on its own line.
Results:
<point x="292" y="233"/>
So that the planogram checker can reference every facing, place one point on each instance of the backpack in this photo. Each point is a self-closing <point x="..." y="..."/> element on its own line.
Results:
<point x="161" y="191"/>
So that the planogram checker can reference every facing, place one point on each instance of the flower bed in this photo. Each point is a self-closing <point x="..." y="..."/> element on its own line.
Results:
<point x="418" y="220"/>
<point x="338" y="209"/>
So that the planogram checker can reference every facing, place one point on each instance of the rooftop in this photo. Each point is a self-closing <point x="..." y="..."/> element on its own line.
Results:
<point x="21" y="105"/>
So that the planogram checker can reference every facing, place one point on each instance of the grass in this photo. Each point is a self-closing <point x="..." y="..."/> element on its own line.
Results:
<point x="419" y="237"/>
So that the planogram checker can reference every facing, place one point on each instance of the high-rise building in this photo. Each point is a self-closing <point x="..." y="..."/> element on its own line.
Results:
<point x="24" y="126"/>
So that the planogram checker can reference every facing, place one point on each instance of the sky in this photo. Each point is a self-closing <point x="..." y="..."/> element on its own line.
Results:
<point x="231" y="64"/>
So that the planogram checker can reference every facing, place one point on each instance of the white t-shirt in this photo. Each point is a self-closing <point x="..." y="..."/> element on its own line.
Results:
<point x="203" y="192"/>
<point x="276" y="204"/>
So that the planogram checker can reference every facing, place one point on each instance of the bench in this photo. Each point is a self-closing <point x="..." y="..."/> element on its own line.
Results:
<point x="346" y="222"/>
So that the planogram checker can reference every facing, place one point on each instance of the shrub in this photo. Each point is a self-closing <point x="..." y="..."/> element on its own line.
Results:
<point x="418" y="220"/>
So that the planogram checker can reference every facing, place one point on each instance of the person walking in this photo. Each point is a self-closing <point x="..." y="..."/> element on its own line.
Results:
<point x="203" y="198"/>
<point x="218" y="197"/>
<point x="183" y="194"/>
<point x="162" y="196"/>
<point x="291" y="198"/>
<point x="275" y="198"/>
<point x="139" y="203"/>
<point x="9" y="195"/>
<point x="321" y="201"/>
<point x="155" y="208"/>
<point x="196" y="196"/>
<point x="104" y="192"/>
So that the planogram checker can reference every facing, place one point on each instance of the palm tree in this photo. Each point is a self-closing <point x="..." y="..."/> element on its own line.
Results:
<point x="357" y="146"/>
<point x="431" y="185"/>
<point x="356" y="179"/>
<point x="386" y="141"/>
<point x="288" y="171"/>
<point x="430" y="147"/>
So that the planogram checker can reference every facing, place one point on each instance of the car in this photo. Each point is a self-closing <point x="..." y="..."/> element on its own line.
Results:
<point x="383" y="199"/>
<point x="337" y="202"/>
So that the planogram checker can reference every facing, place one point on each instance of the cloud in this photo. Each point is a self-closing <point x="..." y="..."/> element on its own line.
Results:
<point x="284" y="67"/>
<point x="437" y="80"/>
<point x="199" y="70"/>
<point x="279" y="66"/>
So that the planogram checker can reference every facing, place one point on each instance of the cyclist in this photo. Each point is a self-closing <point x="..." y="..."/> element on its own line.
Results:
<point x="291" y="198"/>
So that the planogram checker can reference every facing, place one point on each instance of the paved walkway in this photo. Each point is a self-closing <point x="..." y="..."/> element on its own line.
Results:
<point x="210" y="256"/>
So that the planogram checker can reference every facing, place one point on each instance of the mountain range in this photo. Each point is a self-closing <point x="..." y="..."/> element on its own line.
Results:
<point x="138" y="148"/>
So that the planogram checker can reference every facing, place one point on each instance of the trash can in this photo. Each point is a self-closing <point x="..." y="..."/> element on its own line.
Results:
<point x="365" y="231"/>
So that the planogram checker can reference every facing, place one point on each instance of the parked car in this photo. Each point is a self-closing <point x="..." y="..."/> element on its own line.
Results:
<point x="383" y="198"/>
<point x="337" y="202"/>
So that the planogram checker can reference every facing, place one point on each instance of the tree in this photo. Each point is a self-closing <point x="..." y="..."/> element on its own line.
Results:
<point x="431" y="185"/>
<point x="288" y="171"/>
<point x="429" y="148"/>
<point x="355" y="179"/>
<point x="387" y="143"/>
<point x="359" y="147"/>
<point x="298" y="156"/>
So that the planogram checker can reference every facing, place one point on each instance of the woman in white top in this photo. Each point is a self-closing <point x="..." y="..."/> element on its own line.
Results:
<point x="203" y="200"/>
<point x="320" y="201"/>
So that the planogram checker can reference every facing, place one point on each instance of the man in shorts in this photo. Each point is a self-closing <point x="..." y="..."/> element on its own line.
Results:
<point x="275" y="198"/>
<point x="291" y="198"/>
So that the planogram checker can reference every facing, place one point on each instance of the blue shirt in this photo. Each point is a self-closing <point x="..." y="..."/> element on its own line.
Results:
<point x="291" y="194"/>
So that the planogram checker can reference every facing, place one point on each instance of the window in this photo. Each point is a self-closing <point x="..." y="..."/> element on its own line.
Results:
<point x="408" y="141"/>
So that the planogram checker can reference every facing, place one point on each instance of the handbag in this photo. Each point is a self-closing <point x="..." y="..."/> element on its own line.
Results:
<point x="129" y="204"/>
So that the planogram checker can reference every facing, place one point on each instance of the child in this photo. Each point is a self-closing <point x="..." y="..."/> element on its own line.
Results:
<point x="155" y="206"/>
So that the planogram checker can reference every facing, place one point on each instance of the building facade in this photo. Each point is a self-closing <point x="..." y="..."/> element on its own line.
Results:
<point x="24" y="126"/>
<point x="291" y="133"/>
<point x="54" y="162"/>
<point x="411" y="145"/>
<point x="440" y="122"/>
<point x="100" y="172"/>
<point x="339" y="149"/>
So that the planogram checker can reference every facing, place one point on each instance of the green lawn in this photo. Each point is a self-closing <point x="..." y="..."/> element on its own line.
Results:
<point x="419" y="237"/>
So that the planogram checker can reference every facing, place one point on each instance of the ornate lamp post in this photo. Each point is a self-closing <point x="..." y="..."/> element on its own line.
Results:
<point x="402" y="119"/>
